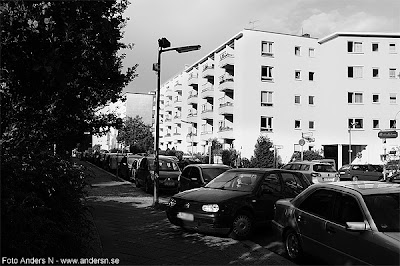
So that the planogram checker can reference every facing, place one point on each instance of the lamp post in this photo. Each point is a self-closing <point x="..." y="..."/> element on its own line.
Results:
<point x="163" y="46"/>
<point x="351" y="125"/>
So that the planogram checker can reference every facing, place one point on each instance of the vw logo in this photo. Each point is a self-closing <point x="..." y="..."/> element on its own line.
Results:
<point x="187" y="205"/>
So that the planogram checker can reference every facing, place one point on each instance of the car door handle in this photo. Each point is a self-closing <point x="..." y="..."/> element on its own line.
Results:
<point x="330" y="229"/>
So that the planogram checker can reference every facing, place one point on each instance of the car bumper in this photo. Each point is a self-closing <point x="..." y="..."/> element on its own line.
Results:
<point x="202" y="222"/>
<point x="277" y="228"/>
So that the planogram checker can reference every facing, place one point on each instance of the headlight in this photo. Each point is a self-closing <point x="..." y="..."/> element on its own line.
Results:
<point x="172" y="202"/>
<point x="210" y="208"/>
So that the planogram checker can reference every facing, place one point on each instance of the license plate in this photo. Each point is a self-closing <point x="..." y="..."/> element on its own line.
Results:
<point x="169" y="183"/>
<point x="185" y="216"/>
<point x="327" y="179"/>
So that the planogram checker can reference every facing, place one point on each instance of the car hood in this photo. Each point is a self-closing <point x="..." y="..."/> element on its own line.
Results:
<point x="211" y="195"/>
<point x="394" y="235"/>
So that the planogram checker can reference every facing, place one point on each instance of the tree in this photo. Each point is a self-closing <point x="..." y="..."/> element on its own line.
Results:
<point x="229" y="157"/>
<point x="59" y="65"/>
<point x="307" y="156"/>
<point x="263" y="156"/>
<point x="137" y="135"/>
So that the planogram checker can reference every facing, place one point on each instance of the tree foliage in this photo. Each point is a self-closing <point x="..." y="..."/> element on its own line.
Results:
<point x="263" y="156"/>
<point x="59" y="64"/>
<point x="137" y="135"/>
<point x="307" y="155"/>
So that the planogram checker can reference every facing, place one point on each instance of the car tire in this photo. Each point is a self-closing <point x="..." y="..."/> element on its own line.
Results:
<point x="242" y="226"/>
<point x="293" y="246"/>
<point x="354" y="178"/>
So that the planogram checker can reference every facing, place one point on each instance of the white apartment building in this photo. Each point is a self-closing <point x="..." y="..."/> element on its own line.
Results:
<point x="141" y="104"/>
<point x="288" y="87"/>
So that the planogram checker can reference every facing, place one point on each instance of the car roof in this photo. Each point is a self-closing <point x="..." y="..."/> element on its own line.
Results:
<point x="309" y="162"/>
<point x="161" y="157"/>
<point x="363" y="187"/>
<point x="259" y="170"/>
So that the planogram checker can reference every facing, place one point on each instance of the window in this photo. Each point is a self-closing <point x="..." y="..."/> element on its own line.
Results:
<point x="266" y="124"/>
<point x="271" y="183"/>
<point x="311" y="76"/>
<point x="266" y="48"/>
<point x="319" y="203"/>
<point x="266" y="98"/>
<point x="297" y="74"/>
<point x="348" y="210"/>
<point x="375" y="98"/>
<point x="311" y="100"/>
<point x="392" y="98"/>
<point x="392" y="73"/>
<point x="356" y="123"/>
<point x="355" y="71"/>
<point x="297" y="50"/>
<point x="354" y="47"/>
<point x="375" y="47"/>
<point x="266" y="73"/>
<point x="311" y="52"/>
<point x="297" y="99"/>
<point x="392" y="48"/>
<point x="292" y="183"/>
<point x="297" y="124"/>
<point x="311" y="124"/>
<point x="392" y="123"/>
<point x="354" y="97"/>
<point x="375" y="123"/>
<point x="375" y="72"/>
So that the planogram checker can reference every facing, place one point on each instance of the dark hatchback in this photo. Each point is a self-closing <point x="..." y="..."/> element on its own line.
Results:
<point x="235" y="201"/>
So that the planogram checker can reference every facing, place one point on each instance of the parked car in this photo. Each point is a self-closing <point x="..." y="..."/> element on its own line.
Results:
<point x="197" y="175"/>
<point x="330" y="161"/>
<point x="316" y="172"/>
<point x="235" y="201"/>
<point x="394" y="178"/>
<point x="125" y="166"/>
<point x="372" y="172"/>
<point x="342" y="170"/>
<point x="134" y="167"/>
<point x="343" y="223"/>
<point x="168" y="173"/>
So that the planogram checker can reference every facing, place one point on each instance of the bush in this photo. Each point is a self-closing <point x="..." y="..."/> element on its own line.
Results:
<point x="42" y="208"/>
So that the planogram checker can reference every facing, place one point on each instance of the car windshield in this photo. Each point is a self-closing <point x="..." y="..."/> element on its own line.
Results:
<point x="210" y="173"/>
<point x="164" y="165"/>
<point x="237" y="181"/>
<point x="323" y="168"/>
<point x="385" y="210"/>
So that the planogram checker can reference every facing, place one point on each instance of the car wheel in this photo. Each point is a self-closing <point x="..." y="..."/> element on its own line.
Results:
<point x="242" y="226"/>
<point x="354" y="178"/>
<point x="293" y="246"/>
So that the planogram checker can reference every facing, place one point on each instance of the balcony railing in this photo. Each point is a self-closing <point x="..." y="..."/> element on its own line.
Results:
<point x="208" y="71"/>
<point x="207" y="92"/>
<point x="226" y="60"/>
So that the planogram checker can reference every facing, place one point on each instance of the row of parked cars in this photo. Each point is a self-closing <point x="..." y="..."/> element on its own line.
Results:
<point x="347" y="222"/>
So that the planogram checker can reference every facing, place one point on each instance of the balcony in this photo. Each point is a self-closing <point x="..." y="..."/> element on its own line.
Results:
<point x="178" y="86"/>
<point x="191" y="137"/>
<point x="207" y="91"/>
<point x="192" y="117"/>
<point x="178" y="100"/>
<point x="207" y="114"/>
<point x="226" y="83"/>
<point x="193" y="79"/>
<point x="226" y="132"/>
<point x="168" y="107"/>
<point x="226" y="108"/>
<point x="178" y="136"/>
<point x="177" y="118"/>
<point x="226" y="60"/>
<point x="192" y="99"/>
<point x="168" y="92"/>
<point x="206" y="135"/>
<point x="208" y="71"/>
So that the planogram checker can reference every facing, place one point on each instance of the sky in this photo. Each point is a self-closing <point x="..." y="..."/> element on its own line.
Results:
<point x="210" y="23"/>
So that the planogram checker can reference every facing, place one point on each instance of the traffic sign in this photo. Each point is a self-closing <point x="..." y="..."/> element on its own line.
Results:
<point x="389" y="134"/>
<point x="302" y="142"/>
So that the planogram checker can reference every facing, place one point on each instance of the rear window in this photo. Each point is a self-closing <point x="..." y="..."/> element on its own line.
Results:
<point x="323" y="168"/>
<point x="164" y="165"/>
<point x="210" y="173"/>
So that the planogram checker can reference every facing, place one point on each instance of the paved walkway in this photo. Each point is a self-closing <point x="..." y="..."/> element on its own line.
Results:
<point x="135" y="233"/>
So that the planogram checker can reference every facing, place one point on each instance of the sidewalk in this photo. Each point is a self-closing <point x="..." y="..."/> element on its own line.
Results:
<point x="135" y="233"/>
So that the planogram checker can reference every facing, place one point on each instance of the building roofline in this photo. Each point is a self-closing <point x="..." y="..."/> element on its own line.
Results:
<point x="358" y="34"/>
<point x="305" y="35"/>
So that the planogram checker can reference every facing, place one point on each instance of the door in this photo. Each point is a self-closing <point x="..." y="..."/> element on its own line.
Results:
<point x="292" y="185"/>
<point x="184" y="180"/>
<point x="311" y="216"/>
<point x="195" y="178"/>
<point x="269" y="192"/>
<point x="351" y="247"/>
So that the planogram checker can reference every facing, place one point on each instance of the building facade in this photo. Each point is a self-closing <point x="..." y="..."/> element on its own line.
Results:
<point x="334" y="93"/>
<point x="135" y="104"/>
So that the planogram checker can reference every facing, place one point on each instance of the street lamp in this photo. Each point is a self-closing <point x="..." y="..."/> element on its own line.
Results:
<point x="351" y="125"/>
<point x="163" y="46"/>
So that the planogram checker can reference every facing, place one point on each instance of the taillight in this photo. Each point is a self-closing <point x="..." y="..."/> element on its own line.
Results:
<point x="315" y="174"/>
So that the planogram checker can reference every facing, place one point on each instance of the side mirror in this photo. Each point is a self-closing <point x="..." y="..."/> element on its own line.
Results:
<point x="357" y="226"/>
